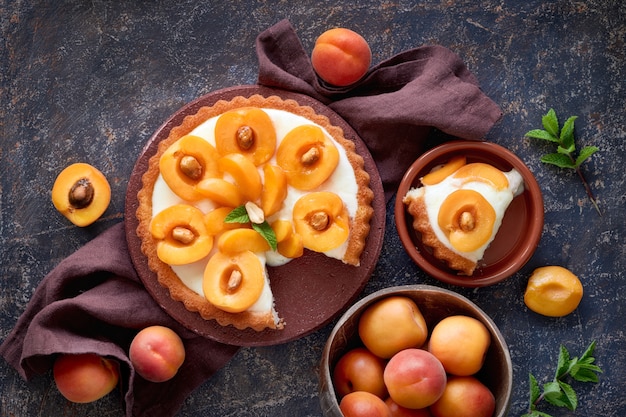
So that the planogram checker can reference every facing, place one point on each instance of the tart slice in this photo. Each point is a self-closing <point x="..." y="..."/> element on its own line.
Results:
<point x="298" y="180"/>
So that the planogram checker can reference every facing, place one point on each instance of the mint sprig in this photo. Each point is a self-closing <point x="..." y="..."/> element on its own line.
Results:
<point x="565" y="155"/>
<point x="240" y="215"/>
<point x="558" y="392"/>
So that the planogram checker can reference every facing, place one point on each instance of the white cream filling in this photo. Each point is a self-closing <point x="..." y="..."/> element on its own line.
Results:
<point x="434" y="196"/>
<point x="342" y="182"/>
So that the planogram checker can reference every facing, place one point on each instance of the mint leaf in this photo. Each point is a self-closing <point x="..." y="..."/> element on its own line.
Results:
<point x="551" y="123"/>
<point x="265" y="230"/>
<point x="535" y="392"/>
<point x="558" y="159"/>
<point x="565" y="156"/>
<point x="542" y="134"/>
<point x="237" y="215"/>
<point x="585" y="153"/>
<point x="569" y="396"/>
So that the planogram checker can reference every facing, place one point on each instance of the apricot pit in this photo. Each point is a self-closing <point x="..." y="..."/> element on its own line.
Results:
<point x="81" y="193"/>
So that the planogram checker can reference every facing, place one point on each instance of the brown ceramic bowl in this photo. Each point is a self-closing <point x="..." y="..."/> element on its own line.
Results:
<point x="435" y="304"/>
<point x="517" y="237"/>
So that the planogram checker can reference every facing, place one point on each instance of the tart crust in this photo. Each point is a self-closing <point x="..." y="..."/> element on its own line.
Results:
<point x="417" y="208"/>
<point x="359" y="225"/>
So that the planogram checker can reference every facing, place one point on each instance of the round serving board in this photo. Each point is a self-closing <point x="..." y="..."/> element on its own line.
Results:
<point x="309" y="291"/>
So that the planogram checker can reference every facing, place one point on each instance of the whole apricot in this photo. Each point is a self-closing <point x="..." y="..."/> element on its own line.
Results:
<point x="81" y="193"/>
<point x="84" y="378"/>
<point x="363" y="404"/>
<point x="391" y="325"/>
<point x="341" y="57"/>
<point x="553" y="291"/>
<point x="464" y="396"/>
<point x="359" y="370"/>
<point x="415" y="378"/>
<point x="157" y="353"/>
<point x="460" y="343"/>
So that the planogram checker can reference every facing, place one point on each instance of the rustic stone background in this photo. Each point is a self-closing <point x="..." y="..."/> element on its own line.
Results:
<point x="91" y="81"/>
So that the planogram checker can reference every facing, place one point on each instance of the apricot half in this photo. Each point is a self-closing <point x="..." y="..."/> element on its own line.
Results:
<point x="233" y="283"/>
<point x="307" y="156"/>
<point x="467" y="218"/>
<point x="215" y="224"/>
<point x="322" y="220"/>
<point x="274" y="189"/>
<point x="186" y="162"/>
<point x="238" y="240"/>
<point x="484" y="173"/>
<point x="222" y="192"/>
<point x="81" y="193"/>
<point x="182" y="235"/>
<point x="248" y="131"/>
<point x="553" y="291"/>
<point x="244" y="174"/>
<point x="442" y="172"/>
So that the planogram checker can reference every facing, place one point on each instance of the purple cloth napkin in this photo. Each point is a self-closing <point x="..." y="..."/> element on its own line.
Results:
<point x="395" y="106"/>
<point x="94" y="302"/>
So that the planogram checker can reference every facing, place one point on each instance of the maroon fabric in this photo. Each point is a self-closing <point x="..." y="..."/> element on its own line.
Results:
<point x="394" y="107"/>
<point x="94" y="302"/>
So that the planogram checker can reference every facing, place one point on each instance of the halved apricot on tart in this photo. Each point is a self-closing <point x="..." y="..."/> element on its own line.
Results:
<point x="274" y="189"/>
<point x="248" y="131"/>
<point x="233" y="282"/>
<point x="181" y="235"/>
<point x="222" y="192"/>
<point x="215" y="224"/>
<point x="486" y="173"/>
<point x="467" y="218"/>
<point x="81" y="193"/>
<point x="307" y="156"/>
<point x="185" y="163"/>
<point x="244" y="174"/>
<point x="244" y="239"/>
<point x="442" y="172"/>
<point x="322" y="220"/>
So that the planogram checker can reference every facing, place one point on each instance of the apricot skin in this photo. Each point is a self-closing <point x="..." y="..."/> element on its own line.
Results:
<point x="63" y="185"/>
<point x="391" y="325"/>
<point x="464" y="396"/>
<point x="553" y="291"/>
<point x="157" y="353"/>
<point x="85" y="378"/>
<point x="341" y="57"/>
<point x="460" y="343"/>
<point x="359" y="370"/>
<point x="363" y="403"/>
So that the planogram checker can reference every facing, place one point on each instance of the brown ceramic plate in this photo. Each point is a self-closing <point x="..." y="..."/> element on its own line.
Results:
<point x="309" y="291"/>
<point x="519" y="233"/>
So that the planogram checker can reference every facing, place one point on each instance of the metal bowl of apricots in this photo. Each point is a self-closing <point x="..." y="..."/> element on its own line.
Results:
<point x="469" y="213"/>
<point x="416" y="350"/>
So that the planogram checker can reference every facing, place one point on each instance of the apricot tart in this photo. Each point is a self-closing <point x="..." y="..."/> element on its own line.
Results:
<point x="246" y="184"/>
<point x="459" y="208"/>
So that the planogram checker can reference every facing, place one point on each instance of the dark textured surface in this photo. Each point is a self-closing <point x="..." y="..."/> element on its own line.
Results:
<point x="91" y="81"/>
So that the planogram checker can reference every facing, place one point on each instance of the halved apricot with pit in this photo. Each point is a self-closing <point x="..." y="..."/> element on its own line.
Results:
<point x="181" y="235"/>
<point x="244" y="174"/>
<point x="467" y="218"/>
<point x="233" y="283"/>
<point x="185" y="163"/>
<point x="274" y="189"/>
<point x="220" y="191"/>
<point x="307" y="156"/>
<point x="244" y="239"/>
<point x="486" y="173"/>
<point x="440" y="173"/>
<point x="81" y="193"/>
<point x="248" y="131"/>
<point x="322" y="220"/>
